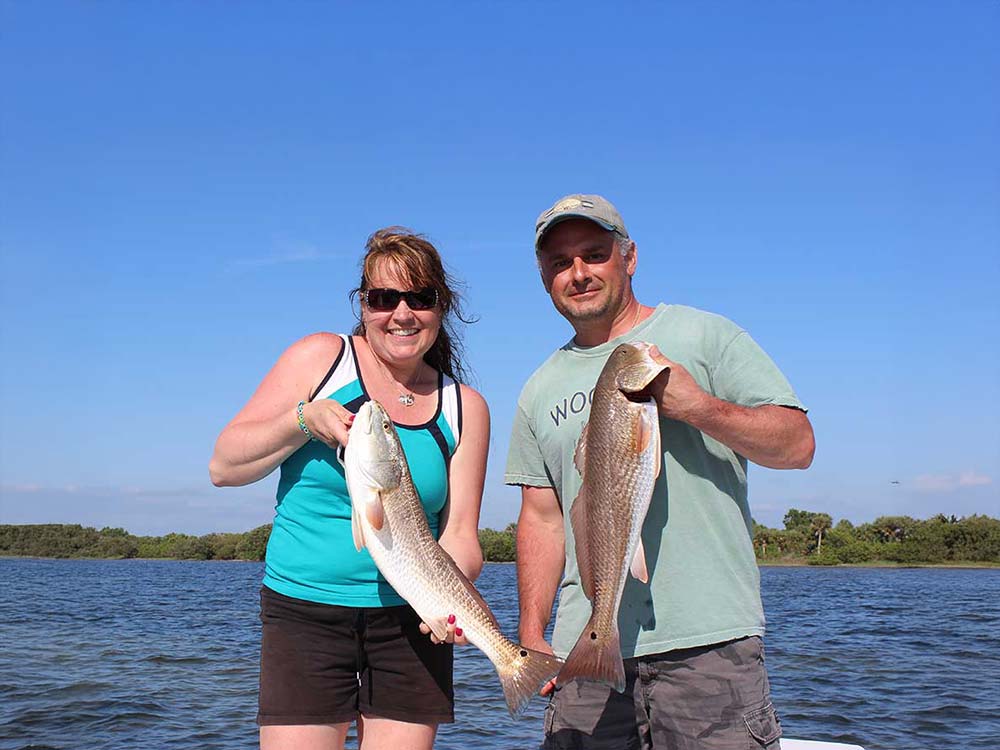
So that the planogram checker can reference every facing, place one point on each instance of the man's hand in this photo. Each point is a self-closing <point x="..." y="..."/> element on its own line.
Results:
<point x="676" y="393"/>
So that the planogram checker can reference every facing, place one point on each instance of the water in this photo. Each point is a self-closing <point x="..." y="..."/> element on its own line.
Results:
<point x="136" y="654"/>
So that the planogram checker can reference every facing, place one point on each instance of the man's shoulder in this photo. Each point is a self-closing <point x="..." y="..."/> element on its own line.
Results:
<point x="543" y="375"/>
<point x="694" y="317"/>
<point x="688" y="329"/>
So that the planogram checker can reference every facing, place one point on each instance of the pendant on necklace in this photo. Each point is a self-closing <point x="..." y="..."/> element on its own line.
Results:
<point x="406" y="399"/>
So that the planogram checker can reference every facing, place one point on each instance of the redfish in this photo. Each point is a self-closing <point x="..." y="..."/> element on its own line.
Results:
<point x="618" y="457"/>
<point x="388" y="518"/>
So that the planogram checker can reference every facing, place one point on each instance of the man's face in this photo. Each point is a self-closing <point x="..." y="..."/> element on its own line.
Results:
<point x="584" y="273"/>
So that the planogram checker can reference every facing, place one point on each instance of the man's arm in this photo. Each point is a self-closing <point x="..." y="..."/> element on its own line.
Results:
<point x="541" y="557"/>
<point x="777" y="437"/>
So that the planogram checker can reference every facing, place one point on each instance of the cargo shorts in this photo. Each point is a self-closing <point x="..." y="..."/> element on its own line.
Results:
<point x="707" y="698"/>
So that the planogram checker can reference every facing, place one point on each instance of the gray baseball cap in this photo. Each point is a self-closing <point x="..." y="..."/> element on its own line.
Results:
<point x="577" y="206"/>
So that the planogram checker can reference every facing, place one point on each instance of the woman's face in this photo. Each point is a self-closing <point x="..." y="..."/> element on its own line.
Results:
<point x="400" y="336"/>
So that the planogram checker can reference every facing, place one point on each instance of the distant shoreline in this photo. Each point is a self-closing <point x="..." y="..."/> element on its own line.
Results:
<point x="760" y="564"/>
<point x="880" y="564"/>
<point x="808" y="538"/>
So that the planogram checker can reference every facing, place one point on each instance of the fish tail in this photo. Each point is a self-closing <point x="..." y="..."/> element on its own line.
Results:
<point x="525" y="677"/>
<point x="596" y="658"/>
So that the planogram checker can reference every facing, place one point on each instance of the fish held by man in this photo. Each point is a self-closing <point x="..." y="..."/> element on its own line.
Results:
<point x="388" y="519"/>
<point x="618" y="457"/>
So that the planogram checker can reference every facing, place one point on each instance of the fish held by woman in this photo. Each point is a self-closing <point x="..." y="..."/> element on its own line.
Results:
<point x="388" y="519"/>
<point x="618" y="457"/>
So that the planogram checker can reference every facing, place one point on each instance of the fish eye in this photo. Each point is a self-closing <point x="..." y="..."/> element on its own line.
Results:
<point x="385" y="426"/>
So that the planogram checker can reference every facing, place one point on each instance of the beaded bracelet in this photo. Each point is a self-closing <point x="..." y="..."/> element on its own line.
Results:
<point x="302" y="420"/>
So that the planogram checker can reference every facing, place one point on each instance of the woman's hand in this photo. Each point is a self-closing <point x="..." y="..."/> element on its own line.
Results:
<point x="328" y="421"/>
<point x="455" y="634"/>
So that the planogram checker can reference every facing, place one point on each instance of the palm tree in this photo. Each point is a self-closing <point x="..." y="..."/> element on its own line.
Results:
<point x="761" y="535"/>
<point x="821" y="523"/>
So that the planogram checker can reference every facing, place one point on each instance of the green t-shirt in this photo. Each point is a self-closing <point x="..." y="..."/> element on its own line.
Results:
<point x="704" y="585"/>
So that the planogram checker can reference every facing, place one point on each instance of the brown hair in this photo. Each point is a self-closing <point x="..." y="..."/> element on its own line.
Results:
<point x="413" y="257"/>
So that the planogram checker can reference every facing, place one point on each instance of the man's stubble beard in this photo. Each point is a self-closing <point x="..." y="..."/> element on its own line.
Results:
<point x="601" y="309"/>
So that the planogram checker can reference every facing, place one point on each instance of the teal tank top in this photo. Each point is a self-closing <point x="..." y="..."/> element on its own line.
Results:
<point x="311" y="553"/>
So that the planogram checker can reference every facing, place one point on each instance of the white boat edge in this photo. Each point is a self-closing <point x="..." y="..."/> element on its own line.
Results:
<point x="787" y="743"/>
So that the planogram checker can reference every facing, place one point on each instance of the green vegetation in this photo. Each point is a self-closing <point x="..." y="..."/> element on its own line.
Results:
<point x="812" y="538"/>
<point x="808" y="537"/>
<point x="498" y="546"/>
<point x="73" y="540"/>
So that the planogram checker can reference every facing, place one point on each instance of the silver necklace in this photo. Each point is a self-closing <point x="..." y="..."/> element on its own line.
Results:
<point x="405" y="397"/>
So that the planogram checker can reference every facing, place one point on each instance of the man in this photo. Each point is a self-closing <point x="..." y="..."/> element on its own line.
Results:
<point x="691" y="638"/>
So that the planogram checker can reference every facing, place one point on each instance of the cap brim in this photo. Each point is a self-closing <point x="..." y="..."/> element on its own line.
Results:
<point x="569" y="215"/>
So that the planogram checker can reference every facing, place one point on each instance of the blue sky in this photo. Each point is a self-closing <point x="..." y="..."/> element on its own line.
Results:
<point x="185" y="190"/>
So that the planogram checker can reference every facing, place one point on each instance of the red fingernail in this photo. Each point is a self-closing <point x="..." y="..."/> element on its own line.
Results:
<point x="351" y="418"/>
<point x="458" y="631"/>
<point x="451" y="619"/>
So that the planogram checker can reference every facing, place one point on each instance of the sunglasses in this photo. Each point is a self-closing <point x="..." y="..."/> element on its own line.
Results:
<point x="387" y="300"/>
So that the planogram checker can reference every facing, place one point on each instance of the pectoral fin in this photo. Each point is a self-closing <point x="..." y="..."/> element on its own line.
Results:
<point x="651" y="419"/>
<point x="638" y="567"/>
<point x="374" y="511"/>
<point x="642" y="431"/>
<point x="580" y="454"/>
<point x="356" y="531"/>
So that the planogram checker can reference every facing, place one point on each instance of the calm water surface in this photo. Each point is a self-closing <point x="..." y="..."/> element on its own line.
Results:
<point x="144" y="654"/>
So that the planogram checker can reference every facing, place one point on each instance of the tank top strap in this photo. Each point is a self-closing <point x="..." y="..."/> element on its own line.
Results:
<point x="341" y="372"/>
<point x="451" y="406"/>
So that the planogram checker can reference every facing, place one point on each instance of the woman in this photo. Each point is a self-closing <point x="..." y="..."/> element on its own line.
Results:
<point x="338" y="644"/>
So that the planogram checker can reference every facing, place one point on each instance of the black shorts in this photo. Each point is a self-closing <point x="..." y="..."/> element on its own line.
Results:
<point x="325" y="664"/>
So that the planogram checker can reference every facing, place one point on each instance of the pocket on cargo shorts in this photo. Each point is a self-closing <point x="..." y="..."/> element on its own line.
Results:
<point x="764" y="728"/>
<point x="549" y="717"/>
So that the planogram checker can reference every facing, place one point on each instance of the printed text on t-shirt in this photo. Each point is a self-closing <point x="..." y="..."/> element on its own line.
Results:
<point x="571" y="405"/>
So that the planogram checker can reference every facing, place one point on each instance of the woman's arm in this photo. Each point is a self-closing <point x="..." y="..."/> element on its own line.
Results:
<point x="466" y="477"/>
<point x="266" y="430"/>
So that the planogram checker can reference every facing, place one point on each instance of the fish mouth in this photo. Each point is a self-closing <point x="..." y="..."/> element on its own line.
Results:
<point x="365" y="417"/>
<point x="638" y="397"/>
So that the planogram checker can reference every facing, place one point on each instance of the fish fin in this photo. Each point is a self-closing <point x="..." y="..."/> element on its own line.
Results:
<point x="596" y="658"/>
<point x="578" y="520"/>
<point x="642" y="431"/>
<point x="374" y="511"/>
<point x="357" y="531"/>
<point x="658" y="456"/>
<point x="580" y="454"/>
<point x="526" y="676"/>
<point x="638" y="567"/>
<point x="438" y="626"/>
<point x="650" y="418"/>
